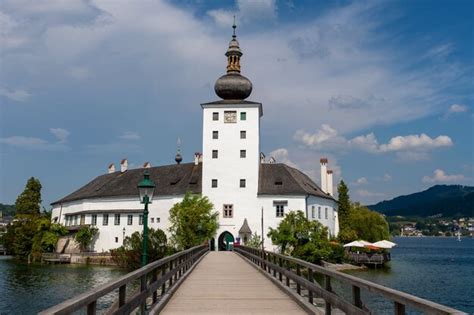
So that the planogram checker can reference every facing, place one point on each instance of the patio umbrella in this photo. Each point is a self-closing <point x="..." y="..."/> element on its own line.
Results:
<point x="355" y="244"/>
<point x="384" y="244"/>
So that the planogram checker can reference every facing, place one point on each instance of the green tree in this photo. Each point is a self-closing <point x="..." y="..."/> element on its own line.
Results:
<point x="299" y="237"/>
<point x="29" y="201"/>
<point x="344" y="205"/>
<point x="254" y="241"/>
<point x="84" y="236"/>
<point x="368" y="225"/>
<point x="130" y="253"/>
<point x="192" y="221"/>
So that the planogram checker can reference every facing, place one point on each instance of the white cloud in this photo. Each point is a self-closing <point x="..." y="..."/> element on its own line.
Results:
<point x="458" y="108"/>
<point x="17" y="95"/>
<point x="130" y="135"/>
<point x="439" y="176"/>
<point x="410" y="147"/>
<point x="361" y="181"/>
<point x="60" y="133"/>
<point x="246" y="11"/>
<point x="386" y="178"/>
<point x="281" y="156"/>
<point x="32" y="143"/>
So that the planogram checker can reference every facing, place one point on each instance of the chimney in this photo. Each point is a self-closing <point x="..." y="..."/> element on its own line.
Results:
<point x="196" y="158"/>
<point x="271" y="160"/>
<point x="324" y="174"/>
<point x="147" y="165"/>
<point x="200" y="158"/>
<point x="262" y="157"/>
<point x="111" y="168"/>
<point x="123" y="165"/>
<point x="330" y="185"/>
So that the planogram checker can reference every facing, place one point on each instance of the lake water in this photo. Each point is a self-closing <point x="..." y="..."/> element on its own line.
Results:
<point x="438" y="269"/>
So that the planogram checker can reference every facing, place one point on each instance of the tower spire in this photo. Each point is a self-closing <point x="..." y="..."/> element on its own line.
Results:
<point x="234" y="27"/>
<point x="233" y="53"/>
<point x="178" y="158"/>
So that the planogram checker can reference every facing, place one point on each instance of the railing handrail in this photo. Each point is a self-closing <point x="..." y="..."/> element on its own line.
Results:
<point x="92" y="295"/>
<point x="389" y="293"/>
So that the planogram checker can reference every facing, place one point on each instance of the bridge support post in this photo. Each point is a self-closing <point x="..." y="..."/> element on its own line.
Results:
<point x="298" y="272"/>
<point x="399" y="309"/>
<point x="310" y="279"/>
<point x="356" y="296"/>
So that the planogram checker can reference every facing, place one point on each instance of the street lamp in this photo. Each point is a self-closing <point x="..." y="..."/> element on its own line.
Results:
<point x="146" y="188"/>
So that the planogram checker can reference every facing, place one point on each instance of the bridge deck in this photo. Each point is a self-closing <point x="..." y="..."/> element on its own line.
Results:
<point x="223" y="283"/>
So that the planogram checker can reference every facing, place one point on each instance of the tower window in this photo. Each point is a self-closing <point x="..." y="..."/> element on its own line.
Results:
<point x="243" y="134"/>
<point x="243" y="153"/>
<point x="243" y="116"/>
<point x="228" y="211"/>
<point x="116" y="239"/>
<point x="214" y="183"/>
<point x="152" y="220"/>
<point x="105" y="219"/>
<point x="215" y="134"/>
<point x="215" y="116"/>
<point x="242" y="183"/>
<point x="214" y="154"/>
<point x="117" y="219"/>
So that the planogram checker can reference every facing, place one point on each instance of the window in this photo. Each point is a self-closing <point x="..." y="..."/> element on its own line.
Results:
<point x="243" y="154"/>
<point x="117" y="219"/>
<point x="243" y="134"/>
<point x="105" y="219"/>
<point x="152" y="220"/>
<point x="94" y="219"/>
<point x="83" y="219"/>
<point x="75" y="220"/>
<point x="116" y="239"/>
<point x="243" y="116"/>
<point x="140" y="219"/>
<point x="319" y="212"/>
<point x="214" y="183"/>
<point x="313" y="212"/>
<point x="214" y="154"/>
<point x="280" y="208"/>
<point x="130" y="219"/>
<point x="326" y="213"/>
<point x="242" y="183"/>
<point x="215" y="116"/>
<point x="228" y="211"/>
<point x="157" y="220"/>
<point x="215" y="134"/>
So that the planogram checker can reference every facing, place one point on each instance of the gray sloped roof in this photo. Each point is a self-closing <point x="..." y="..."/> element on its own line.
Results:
<point x="281" y="179"/>
<point x="177" y="179"/>
<point x="170" y="180"/>
<point x="245" y="229"/>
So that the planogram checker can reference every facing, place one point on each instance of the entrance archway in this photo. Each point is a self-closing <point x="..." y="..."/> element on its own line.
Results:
<point x="225" y="240"/>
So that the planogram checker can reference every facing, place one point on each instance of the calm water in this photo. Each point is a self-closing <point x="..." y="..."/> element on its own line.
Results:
<point x="437" y="269"/>
<point x="28" y="289"/>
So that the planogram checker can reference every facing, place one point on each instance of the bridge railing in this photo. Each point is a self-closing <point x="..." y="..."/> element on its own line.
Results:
<point x="285" y="269"/>
<point x="156" y="280"/>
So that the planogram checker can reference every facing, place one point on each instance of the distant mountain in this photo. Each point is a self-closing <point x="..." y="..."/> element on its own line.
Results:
<point x="448" y="200"/>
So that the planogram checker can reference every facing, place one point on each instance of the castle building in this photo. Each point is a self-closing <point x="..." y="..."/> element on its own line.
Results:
<point x="231" y="171"/>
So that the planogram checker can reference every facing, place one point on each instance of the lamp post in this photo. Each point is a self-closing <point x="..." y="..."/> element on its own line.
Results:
<point x="123" y="236"/>
<point x="146" y="188"/>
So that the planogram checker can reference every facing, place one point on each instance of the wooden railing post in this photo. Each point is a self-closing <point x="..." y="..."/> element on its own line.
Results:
<point x="163" y="286"/>
<point x="91" y="308"/>
<point x="280" y="276"/>
<point x="399" y="308"/>
<point x="356" y="296"/>
<point x="310" y="279"/>
<point x="327" y="286"/>
<point x="122" y="295"/>
<point x="143" y="288"/>
<point x="171" y="278"/>
<point x="298" y="272"/>
<point x="274" y="269"/>
<point x="288" y="269"/>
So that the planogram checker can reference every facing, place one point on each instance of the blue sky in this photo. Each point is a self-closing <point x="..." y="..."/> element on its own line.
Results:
<point x="384" y="89"/>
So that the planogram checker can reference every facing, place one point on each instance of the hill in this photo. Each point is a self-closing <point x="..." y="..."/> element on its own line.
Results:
<point x="447" y="200"/>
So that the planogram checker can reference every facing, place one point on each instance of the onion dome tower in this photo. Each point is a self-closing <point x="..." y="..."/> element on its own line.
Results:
<point x="233" y="85"/>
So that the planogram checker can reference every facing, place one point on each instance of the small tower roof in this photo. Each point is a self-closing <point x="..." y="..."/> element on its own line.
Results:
<point x="245" y="229"/>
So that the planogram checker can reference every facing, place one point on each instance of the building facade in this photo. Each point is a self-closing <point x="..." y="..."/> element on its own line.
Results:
<point x="231" y="171"/>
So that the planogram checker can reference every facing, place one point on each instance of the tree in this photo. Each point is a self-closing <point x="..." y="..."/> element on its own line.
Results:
<point x="344" y="205"/>
<point x="299" y="237"/>
<point x="130" y="253"/>
<point x="85" y="236"/>
<point x="366" y="225"/>
<point x="254" y="241"/>
<point x="28" y="202"/>
<point x="192" y="221"/>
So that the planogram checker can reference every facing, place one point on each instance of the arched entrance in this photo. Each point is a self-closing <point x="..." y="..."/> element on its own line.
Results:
<point x="225" y="240"/>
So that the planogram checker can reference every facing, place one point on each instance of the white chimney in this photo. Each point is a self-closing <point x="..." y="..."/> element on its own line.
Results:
<point x="262" y="157"/>
<point x="196" y="158"/>
<point x="112" y="168"/>
<point x="200" y="158"/>
<point x="147" y="165"/>
<point x="123" y="165"/>
<point x="330" y="184"/>
<point x="271" y="160"/>
<point x="324" y="174"/>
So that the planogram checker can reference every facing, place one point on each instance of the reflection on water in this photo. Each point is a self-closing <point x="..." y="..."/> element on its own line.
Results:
<point x="28" y="289"/>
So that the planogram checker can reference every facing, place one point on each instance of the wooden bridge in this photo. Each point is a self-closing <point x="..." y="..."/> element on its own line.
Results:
<point x="245" y="281"/>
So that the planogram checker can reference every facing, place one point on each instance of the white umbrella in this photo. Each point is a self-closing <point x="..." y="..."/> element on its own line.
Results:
<point x="384" y="244"/>
<point x="356" y="244"/>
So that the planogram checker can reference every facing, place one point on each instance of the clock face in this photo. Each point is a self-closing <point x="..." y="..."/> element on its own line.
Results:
<point x="230" y="116"/>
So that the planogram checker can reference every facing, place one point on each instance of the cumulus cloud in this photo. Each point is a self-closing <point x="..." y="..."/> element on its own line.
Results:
<point x="17" y="95"/>
<point x="414" y="147"/>
<point x="458" y="108"/>
<point x="130" y="135"/>
<point x="439" y="176"/>
<point x="32" y="143"/>
<point x="361" y="181"/>
<point x="281" y="155"/>
<point x="60" y="133"/>
<point x="246" y="11"/>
